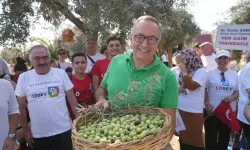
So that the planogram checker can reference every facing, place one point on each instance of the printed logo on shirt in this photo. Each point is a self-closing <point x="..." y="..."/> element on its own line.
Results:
<point x="225" y="83"/>
<point x="224" y="86"/>
<point x="39" y="95"/>
<point x="53" y="91"/>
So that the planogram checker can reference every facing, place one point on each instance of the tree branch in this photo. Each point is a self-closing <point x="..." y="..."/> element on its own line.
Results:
<point x="68" y="14"/>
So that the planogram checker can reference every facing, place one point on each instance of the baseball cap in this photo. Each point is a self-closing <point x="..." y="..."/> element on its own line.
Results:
<point x="221" y="53"/>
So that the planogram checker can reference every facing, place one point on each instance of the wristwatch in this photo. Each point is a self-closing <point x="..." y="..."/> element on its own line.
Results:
<point x="12" y="136"/>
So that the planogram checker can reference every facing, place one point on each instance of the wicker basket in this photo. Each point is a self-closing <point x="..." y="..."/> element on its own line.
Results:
<point x="156" y="141"/>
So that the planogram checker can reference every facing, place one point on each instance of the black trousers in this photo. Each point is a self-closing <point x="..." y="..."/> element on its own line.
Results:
<point x="184" y="146"/>
<point x="57" y="142"/>
<point x="217" y="134"/>
<point x="246" y="129"/>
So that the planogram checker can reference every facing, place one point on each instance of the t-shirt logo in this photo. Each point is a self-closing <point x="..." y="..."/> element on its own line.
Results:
<point x="224" y="83"/>
<point x="224" y="86"/>
<point x="53" y="91"/>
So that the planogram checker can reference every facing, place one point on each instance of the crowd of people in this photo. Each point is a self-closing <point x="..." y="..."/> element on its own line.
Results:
<point x="39" y="104"/>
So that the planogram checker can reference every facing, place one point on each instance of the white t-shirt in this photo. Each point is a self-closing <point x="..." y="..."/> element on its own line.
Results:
<point x="8" y="106"/>
<point x="64" y="65"/>
<point x="4" y="67"/>
<point x="164" y="58"/>
<point x="217" y="90"/>
<point x="193" y="101"/>
<point x="46" y="101"/>
<point x="95" y="58"/>
<point x="209" y="61"/>
<point x="176" y="70"/>
<point x="244" y="78"/>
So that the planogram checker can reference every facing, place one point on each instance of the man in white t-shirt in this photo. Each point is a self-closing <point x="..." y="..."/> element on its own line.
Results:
<point x="244" y="90"/>
<point x="8" y="114"/>
<point x="164" y="57"/>
<point x="208" y="57"/>
<point x="62" y="59"/>
<point x="92" y="56"/>
<point x="44" y="90"/>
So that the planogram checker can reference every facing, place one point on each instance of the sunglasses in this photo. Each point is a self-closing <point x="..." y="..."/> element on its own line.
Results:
<point x="62" y="53"/>
<point x="222" y="76"/>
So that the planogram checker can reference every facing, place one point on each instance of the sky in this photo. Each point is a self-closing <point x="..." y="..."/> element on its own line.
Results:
<point x="208" y="12"/>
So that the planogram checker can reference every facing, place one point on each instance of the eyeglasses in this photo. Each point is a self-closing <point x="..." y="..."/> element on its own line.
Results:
<point x="62" y="53"/>
<point x="150" y="39"/>
<point x="222" y="76"/>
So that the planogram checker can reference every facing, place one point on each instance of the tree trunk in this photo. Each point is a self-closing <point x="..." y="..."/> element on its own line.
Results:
<point x="67" y="13"/>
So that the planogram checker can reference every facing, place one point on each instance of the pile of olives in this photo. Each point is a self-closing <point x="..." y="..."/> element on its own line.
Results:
<point x="122" y="129"/>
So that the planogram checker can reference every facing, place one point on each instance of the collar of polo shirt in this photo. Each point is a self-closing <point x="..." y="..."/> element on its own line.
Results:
<point x="155" y="63"/>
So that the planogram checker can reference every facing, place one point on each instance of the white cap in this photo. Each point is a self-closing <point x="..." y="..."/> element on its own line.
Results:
<point x="222" y="53"/>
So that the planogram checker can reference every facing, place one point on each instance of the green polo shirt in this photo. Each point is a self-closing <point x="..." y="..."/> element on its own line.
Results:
<point x="153" y="85"/>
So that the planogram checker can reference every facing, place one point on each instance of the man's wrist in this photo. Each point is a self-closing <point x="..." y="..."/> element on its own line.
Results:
<point x="184" y="73"/>
<point x="12" y="135"/>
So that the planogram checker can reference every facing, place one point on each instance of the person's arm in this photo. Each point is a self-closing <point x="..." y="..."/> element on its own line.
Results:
<point x="95" y="82"/>
<point x="100" y="96"/>
<point x="208" y="106"/>
<point x="232" y="98"/>
<point x="23" y="115"/>
<point x="247" y="110"/>
<point x="72" y="101"/>
<point x="189" y="83"/>
<point x="172" y="113"/>
<point x="169" y="100"/>
<point x="13" y="112"/>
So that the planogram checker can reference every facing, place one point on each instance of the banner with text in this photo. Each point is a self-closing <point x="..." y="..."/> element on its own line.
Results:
<point x="233" y="37"/>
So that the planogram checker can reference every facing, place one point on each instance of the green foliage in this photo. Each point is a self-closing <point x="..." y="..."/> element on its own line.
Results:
<point x="51" y="46"/>
<point x="96" y="18"/>
<point x="181" y="27"/>
<point x="10" y="53"/>
<point x="237" y="55"/>
<point x="240" y="13"/>
<point x="15" y="21"/>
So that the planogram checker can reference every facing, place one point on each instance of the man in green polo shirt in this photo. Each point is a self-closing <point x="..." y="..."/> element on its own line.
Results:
<point x="141" y="75"/>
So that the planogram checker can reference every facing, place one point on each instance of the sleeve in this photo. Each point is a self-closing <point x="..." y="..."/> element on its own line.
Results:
<point x="200" y="77"/>
<point x="245" y="80"/>
<point x="96" y="69"/>
<point x="170" y="94"/>
<point x="12" y="105"/>
<point x="20" y="90"/>
<point x="67" y="84"/>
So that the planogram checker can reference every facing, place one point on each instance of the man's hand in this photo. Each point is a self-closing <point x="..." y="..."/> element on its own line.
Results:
<point x="228" y="99"/>
<point x="29" y="138"/>
<point x="181" y="89"/>
<point x="102" y="103"/>
<point x="247" y="111"/>
<point x="183" y="68"/>
<point x="209" y="109"/>
<point x="10" y="144"/>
